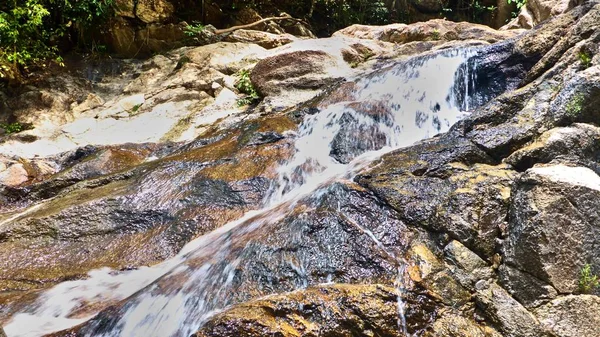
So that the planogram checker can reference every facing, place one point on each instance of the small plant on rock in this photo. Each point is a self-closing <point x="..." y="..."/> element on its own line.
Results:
<point x="585" y="59"/>
<point x="575" y="105"/>
<point x="435" y="34"/>
<point x="194" y="29"/>
<point x="12" y="127"/>
<point x="588" y="282"/>
<point x="245" y="86"/>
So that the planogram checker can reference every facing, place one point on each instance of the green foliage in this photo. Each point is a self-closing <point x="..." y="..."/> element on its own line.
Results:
<point x="337" y="14"/>
<point x="588" y="282"/>
<point x="480" y="10"/>
<point x="12" y="127"/>
<point x="31" y="29"/>
<point x="435" y="34"/>
<point x="585" y="59"/>
<point x="575" y="105"/>
<point x="194" y="29"/>
<point x="520" y="4"/>
<point x="244" y="85"/>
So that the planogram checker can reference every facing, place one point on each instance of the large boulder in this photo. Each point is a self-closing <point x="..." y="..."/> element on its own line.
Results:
<point x="578" y="143"/>
<point x="325" y="311"/>
<point x="226" y="57"/>
<point x="299" y="74"/>
<point x="552" y="225"/>
<point x="153" y="11"/>
<point x="438" y="184"/>
<point x="571" y="316"/>
<point x="263" y="39"/>
<point x="511" y="318"/>
<point x="432" y="30"/>
<point x="536" y="11"/>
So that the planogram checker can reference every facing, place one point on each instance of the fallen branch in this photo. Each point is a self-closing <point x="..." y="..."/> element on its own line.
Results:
<point x="250" y="25"/>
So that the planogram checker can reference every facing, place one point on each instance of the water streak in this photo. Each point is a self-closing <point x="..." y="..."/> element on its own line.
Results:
<point x="390" y="108"/>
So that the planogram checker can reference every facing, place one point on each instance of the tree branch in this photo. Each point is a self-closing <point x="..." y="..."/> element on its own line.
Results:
<point x="250" y="25"/>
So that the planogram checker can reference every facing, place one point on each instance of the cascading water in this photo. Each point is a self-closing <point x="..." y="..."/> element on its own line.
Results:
<point x="390" y="108"/>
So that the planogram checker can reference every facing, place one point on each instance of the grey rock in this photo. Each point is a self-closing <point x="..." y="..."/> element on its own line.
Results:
<point x="554" y="224"/>
<point x="571" y="316"/>
<point x="578" y="143"/>
<point x="527" y="289"/>
<point x="465" y="265"/>
<point x="511" y="318"/>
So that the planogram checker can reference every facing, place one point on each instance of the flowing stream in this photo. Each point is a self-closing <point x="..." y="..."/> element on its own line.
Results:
<point x="413" y="100"/>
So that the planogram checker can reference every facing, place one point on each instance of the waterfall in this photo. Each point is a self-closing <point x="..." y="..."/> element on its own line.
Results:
<point x="392" y="107"/>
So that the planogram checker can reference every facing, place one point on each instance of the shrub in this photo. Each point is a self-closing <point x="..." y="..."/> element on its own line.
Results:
<point x="585" y="59"/>
<point x="30" y="30"/>
<point x="575" y="105"/>
<point x="12" y="127"/>
<point x="244" y="85"/>
<point x="588" y="282"/>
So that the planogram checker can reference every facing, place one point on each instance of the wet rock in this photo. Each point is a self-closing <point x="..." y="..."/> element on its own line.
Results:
<point x="578" y="100"/>
<point x="115" y="216"/>
<point x="429" y="272"/>
<point x="545" y="201"/>
<point x="525" y="288"/>
<point x="579" y="143"/>
<point x="465" y="265"/>
<point x="571" y="316"/>
<point x="265" y="138"/>
<point x="151" y="11"/>
<point x="355" y="138"/>
<point x="338" y="308"/>
<point x="325" y="311"/>
<point x="511" y="318"/>
<point x="438" y="187"/>
<point x="263" y="39"/>
<point x="329" y="237"/>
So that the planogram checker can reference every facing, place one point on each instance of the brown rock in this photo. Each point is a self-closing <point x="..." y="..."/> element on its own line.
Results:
<point x="333" y="310"/>
<point x="124" y="8"/>
<point x="263" y="39"/>
<point x="297" y="70"/>
<point x="512" y="319"/>
<point x="432" y="30"/>
<point x="13" y="174"/>
<point x="152" y="11"/>
<point x="226" y="57"/>
<point x="121" y="37"/>
<point x="453" y="324"/>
